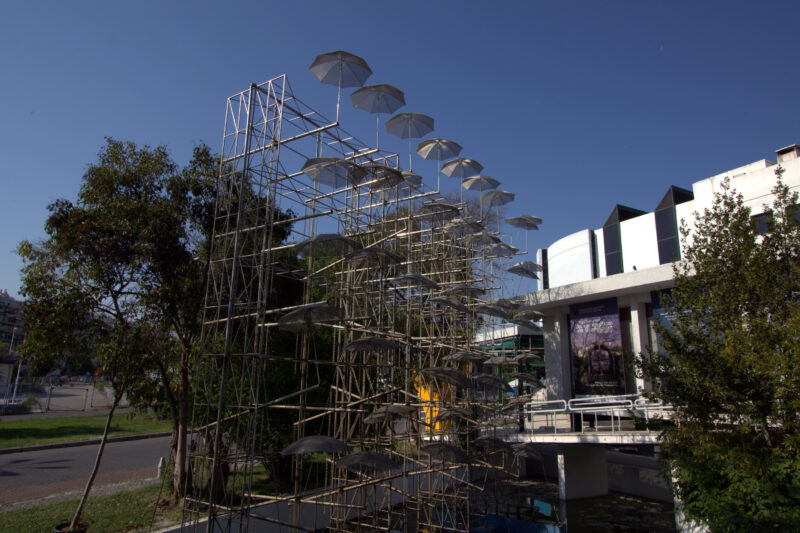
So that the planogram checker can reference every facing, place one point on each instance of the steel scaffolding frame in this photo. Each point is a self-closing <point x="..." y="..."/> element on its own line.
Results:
<point x="406" y="289"/>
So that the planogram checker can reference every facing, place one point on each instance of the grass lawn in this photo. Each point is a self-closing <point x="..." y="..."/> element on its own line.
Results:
<point x="123" y="511"/>
<point x="32" y="431"/>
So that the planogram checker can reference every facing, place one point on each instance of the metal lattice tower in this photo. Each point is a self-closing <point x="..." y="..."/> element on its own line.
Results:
<point x="334" y="269"/>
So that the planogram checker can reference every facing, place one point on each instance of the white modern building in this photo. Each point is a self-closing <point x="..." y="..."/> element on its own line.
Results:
<point x="599" y="289"/>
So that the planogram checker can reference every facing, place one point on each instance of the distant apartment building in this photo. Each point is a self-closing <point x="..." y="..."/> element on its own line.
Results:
<point x="10" y="319"/>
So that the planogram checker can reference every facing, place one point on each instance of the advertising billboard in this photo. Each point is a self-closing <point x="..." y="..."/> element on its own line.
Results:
<point x="596" y="348"/>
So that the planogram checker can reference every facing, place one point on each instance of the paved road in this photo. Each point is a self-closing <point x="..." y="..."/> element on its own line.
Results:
<point x="45" y="476"/>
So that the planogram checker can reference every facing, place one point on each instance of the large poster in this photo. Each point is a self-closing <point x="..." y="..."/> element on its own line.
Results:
<point x="596" y="348"/>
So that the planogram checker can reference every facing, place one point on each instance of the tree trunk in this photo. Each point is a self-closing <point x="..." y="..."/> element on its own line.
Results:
<point x="179" y="485"/>
<point x="96" y="467"/>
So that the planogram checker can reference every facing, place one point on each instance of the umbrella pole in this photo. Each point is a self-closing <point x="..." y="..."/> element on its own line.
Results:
<point x="377" y="131"/>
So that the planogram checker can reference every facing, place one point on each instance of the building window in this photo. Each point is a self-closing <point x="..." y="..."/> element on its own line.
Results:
<point x="667" y="235"/>
<point x="613" y="249"/>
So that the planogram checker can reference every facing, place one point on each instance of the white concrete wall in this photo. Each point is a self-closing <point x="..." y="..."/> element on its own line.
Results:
<point x="570" y="259"/>
<point x="639" y="242"/>
<point x="601" y="252"/>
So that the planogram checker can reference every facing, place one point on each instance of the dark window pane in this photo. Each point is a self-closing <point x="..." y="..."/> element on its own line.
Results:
<point x="611" y="241"/>
<point x="668" y="250"/>
<point x="666" y="226"/>
<point x="613" y="263"/>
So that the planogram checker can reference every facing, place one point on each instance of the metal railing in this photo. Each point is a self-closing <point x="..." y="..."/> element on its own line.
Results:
<point x="574" y="413"/>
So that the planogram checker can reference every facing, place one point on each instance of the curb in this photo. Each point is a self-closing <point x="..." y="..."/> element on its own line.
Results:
<point x="87" y="442"/>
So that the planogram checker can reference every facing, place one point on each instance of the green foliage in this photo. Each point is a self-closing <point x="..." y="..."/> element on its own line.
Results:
<point x="730" y="366"/>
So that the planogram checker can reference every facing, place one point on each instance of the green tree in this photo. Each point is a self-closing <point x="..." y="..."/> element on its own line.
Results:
<point x="730" y="366"/>
<point x="121" y="273"/>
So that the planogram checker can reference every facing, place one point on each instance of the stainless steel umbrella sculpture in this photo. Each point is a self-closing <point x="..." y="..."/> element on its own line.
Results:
<point x="480" y="183"/>
<point x="378" y="99"/>
<point x="410" y="126"/>
<point x="341" y="69"/>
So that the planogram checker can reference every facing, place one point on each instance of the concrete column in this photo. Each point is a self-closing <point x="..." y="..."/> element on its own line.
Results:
<point x="556" y="355"/>
<point x="639" y="336"/>
<point x="582" y="471"/>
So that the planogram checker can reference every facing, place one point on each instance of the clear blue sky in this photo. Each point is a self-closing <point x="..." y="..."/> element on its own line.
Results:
<point x="574" y="106"/>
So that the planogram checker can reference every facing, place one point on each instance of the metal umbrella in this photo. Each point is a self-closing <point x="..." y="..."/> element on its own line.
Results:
<point x="382" y="176"/>
<point x="528" y="269"/>
<point x="378" y="99"/>
<point x="315" y="444"/>
<point x="489" y="381"/>
<point x="526" y="450"/>
<point x="480" y="183"/>
<point x="372" y="343"/>
<point x="450" y="303"/>
<point x="341" y="69"/>
<point x="438" y="149"/>
<point x="482" y="239"/>
<point x="493" y="310"/>
<point x="528" y="314"/>
<point x="374" y="256"/>
<point x="462" y="168"/>
<point x="445" y="452"/>
<point x="448" y="375"/>
<point x="466" y="357"/>
<point x="502" y="250"/>
<point x="410" y="126"/>
<point x="332" y="171"/>
<point x="327" y="244"/>
<point x="417" y="280"/>
<point x="452" y="414"/>
<point x="308" y="317"/>
<point x="384" y="412"/>
<point x="366" y="461"/>
<point x="496" y="198"/>
<point x="463" y="226"/>
<point x="466" y="289"/>
<point x="410" y="180"/>
<point x="527" y="222"/>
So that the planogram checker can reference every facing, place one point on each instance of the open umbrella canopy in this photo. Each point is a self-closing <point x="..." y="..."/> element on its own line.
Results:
<point x="327" y="244"/>
<point x="516" y="403"/>
<point x="374" y="256"/>
<point x="498" y="360"/>
<point x="438" y="149"/>
<point x="382" y="98"/>
<point x="410" y="125"/>
<point x="466" y="289"/>
<point x="525" y="357"/>
<point x="492" y="444"/>
<point x="332" y="171"/>
<point x="480" y="183"/>
<point x="448" y="375"/>
<point x="382" y="176"/>
<point x="452" y="414"/>
<point x="502" y="250"/>
<point x="372" y="343"/>
<point x="411" y="180"/>
<point x="437" y="209"/>
<point x="385" y="411"/>
<point x="366" y="462"/>
<point x="508" y="303"/>
<point x="528" y="378"/>
<point x="524" y="222"/>
<point x="450" y="303"/>
<point x="341" y="69"/>
<point x="492" y="310"/>
<point x="445" y="452"/>
<point x="309" y="317"/>
<point x="527" y="269"/>
<point x="496" y="198"/>
<point x="482" y="239"/>
<point x="462" y="168"/>
<point x="315" y="444"/>
<point x="416" y="280"/>
<point x="463" y="226"/>
<point x="466" y="357"/>
<point x="489" y="381"/>
<point x="528" y="314"/>
<point x="526" y="450"/>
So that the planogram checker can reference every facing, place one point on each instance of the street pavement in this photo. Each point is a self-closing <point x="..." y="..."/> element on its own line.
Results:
<point x="29" y="478"/>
